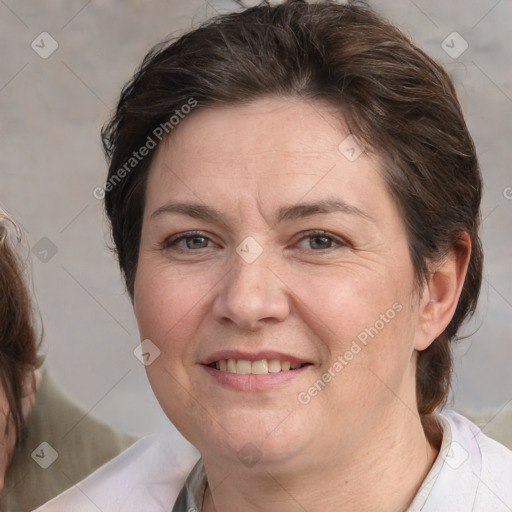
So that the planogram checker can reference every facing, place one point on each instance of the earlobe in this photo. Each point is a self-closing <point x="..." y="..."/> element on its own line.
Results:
<point x="442" y="291"/>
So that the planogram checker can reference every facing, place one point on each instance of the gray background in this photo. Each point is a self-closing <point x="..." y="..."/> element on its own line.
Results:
<point x="51" y="160"/>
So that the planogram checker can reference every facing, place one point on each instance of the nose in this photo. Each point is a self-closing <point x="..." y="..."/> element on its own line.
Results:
<point x="251" y="296"/>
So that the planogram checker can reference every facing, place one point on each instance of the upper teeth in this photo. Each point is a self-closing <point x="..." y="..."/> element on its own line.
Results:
<point x="257" y="367"/>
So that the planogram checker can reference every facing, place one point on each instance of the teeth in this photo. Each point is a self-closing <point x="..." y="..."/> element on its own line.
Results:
<point x="274" y="366"/>
<point x="260" y="367"/>
<point x="243" y="366"/>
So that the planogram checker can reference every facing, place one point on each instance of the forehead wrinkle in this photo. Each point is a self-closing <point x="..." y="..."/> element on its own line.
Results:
<point x="283" y="214"/>
<point x="190" y="209"/>
<point x="325" y="206"/>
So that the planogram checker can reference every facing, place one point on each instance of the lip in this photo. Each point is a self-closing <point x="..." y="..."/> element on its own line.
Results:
<point x="257" y="356"/>
<point x="253" y="382"/>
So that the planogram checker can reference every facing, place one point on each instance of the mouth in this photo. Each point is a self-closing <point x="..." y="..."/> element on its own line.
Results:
<point x="262" y="371"/>
<point x="258" y="367"/>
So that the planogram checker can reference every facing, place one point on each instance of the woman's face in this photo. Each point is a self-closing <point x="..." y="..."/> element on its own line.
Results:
<point x="266" y="242"/>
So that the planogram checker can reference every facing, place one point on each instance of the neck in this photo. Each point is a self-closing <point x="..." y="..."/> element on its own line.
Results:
<point x="382" y="473"/>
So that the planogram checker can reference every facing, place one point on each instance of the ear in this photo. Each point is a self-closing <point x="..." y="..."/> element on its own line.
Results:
<point x="442" y="291"/>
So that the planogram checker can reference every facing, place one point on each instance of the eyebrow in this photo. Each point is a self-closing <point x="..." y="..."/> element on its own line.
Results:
<point x="285" y="213"/>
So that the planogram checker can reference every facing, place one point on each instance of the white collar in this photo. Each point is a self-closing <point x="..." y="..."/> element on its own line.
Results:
<point x="472" y="473"/>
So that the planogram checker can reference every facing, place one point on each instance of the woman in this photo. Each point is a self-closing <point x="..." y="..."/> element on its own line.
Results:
<point x="294" y="200"/>
<point x="18" y="348"/>
<point x="47" y="442"/>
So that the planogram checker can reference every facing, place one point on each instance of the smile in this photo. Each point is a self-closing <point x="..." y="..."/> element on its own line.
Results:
<point x="259" y="367"/>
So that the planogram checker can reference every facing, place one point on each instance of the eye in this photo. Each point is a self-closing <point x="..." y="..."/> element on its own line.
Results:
<point x="187" y="241"/>
<point x="318" y="240"/>
<point x="195" y="240"/>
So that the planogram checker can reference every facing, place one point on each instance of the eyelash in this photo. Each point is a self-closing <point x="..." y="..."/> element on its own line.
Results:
<point x="173" y="240"/>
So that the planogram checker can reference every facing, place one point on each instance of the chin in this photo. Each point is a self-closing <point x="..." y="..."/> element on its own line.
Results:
<point x="264" y="439"/>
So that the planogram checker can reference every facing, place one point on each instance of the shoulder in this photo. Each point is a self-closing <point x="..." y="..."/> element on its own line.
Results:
<point x="491" y="453"/>
<point x="492" y="463"/>
<point x="146" y="476"/>
<point x="476" y="473"/>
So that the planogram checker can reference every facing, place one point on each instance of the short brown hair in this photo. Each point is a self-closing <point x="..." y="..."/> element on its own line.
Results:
<point x="394" y="97"/>
<point x="19" y="341"/>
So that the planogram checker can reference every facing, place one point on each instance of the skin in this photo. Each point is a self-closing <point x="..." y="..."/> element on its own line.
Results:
<point x="358" y="444"/>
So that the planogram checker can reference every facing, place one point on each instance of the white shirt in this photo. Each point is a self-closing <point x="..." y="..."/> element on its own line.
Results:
<point x="471" y="473"/>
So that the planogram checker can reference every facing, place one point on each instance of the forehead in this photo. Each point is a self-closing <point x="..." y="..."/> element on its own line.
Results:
<point x="273" y="149"/>
<point x="267" y="128"/>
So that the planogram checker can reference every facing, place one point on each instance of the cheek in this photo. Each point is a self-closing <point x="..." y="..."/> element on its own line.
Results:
<point x="347" y="303"/>
<point x="165" y="307"/>
<point x="366" y="321"/>
<point x="164" y="302"/>
<point x="171" y="307"/>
